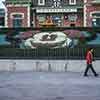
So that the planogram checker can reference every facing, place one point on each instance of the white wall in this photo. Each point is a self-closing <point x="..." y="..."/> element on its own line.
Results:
<point x="46" y="65"/>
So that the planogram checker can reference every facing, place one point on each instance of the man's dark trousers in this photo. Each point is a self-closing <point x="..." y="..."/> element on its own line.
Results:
<point x="89" y="66"/>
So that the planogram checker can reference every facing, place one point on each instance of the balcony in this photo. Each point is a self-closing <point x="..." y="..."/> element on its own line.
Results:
<point x="55" y="10"/>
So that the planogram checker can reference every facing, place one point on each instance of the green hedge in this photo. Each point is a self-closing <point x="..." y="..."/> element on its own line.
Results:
<point x="95" y="29"/>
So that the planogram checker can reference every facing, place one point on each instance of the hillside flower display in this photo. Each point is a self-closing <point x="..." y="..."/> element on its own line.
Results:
<point x="50" y="39"/>
<point x="46" y="39"/>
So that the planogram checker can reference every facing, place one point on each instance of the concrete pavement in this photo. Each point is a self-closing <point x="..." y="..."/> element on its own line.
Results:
<point x="48" y="86"/>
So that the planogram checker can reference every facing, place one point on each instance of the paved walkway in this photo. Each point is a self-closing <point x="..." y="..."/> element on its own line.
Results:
<point x="48" y="86"/>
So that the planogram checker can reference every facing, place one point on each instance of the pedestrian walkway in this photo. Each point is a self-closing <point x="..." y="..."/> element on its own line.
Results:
<point x="48" y="86"/>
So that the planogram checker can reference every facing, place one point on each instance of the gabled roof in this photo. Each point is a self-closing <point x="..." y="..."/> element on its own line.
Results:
<point x="18" y="1"/>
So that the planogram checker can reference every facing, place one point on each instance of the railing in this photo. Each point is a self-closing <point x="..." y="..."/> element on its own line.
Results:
<point x="41" y="53"/>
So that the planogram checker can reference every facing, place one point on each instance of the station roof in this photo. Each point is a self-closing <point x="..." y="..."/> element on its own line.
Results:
<point x="18" y="1"/>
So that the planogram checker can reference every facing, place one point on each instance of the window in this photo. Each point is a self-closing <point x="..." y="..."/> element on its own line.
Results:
<point x="72" y="2"/>
<point x="72" y="18"/>
<point x="17" y="20"/>
<point x="96" y="19"/>
<point x="1" y="21"/>
<point x="41" y="2"/>
<point x="56" y="3"/>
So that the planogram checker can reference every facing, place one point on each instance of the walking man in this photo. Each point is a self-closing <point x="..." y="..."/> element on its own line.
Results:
<point x="89" y="60"/>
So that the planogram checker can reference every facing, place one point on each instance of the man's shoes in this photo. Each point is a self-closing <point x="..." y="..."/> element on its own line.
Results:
<point x="85" y="75"/>
<point x="96" y="75"/>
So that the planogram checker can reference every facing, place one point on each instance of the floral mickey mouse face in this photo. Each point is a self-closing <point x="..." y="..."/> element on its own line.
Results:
<point x="46" y="39"/>
<point x="49" y="37"/>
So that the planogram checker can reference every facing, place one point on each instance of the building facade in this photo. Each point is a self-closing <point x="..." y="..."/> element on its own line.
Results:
<point x="18" y="13"/>
<point x="59" y="13"/>
<point x="92" y="13"/>
<point x="65" y="13"/>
